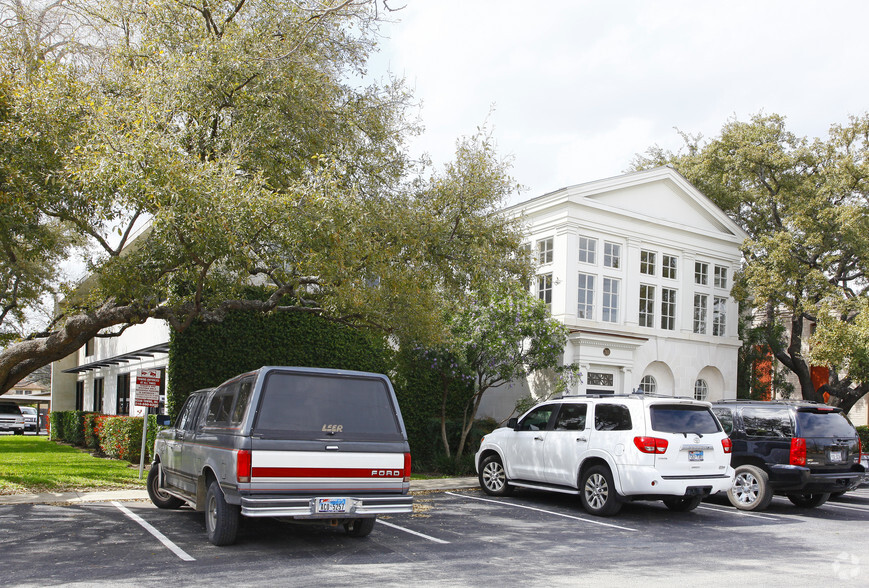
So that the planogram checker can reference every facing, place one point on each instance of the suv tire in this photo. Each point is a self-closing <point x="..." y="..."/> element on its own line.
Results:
<point x="221" y="518"/>
<point x="751" y="489"/>
<point x="808" y="500"/>
<point x="598" y="493"/>
<point x="160" y="498"/>
<point x="493" y="477"/>
<point x="683" y="503"/>
<point x="360" y="527"/>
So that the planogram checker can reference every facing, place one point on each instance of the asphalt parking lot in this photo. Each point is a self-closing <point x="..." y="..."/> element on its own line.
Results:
<point x="461" y="538"/>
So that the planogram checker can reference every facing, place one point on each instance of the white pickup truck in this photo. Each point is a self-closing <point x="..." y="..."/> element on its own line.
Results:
<point x="310" y="445"/>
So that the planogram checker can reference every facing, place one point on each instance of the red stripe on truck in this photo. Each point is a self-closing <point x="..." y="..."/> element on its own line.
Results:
<point x="327" y="473"/>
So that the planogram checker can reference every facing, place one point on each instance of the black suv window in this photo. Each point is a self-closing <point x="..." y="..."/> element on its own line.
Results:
<point x="310" y="406"/>
<point x="571" y="417"/>
<point x="815" y="423"/>
<point x="682" y="418"/>
<point x="537" y="419"/>
<point x="772" y="421"/>
<point x="726" y="417"/>
<point x="612" y="417"/>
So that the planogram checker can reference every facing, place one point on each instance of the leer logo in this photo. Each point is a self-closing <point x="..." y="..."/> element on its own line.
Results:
<point x="333" y="429"/>
<point x="386" y="473"/>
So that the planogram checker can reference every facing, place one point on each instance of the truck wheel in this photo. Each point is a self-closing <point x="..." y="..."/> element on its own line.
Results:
<point x="221" y="518"/>
<point x="160" y="498"/>
<point x="360" y="527"/>
<point x="808" y="500"/>
<point x="751" y="489"/>
<point x="493" y="478"/>
<point x="683" y="503"/>
<point x="598" y="492"/>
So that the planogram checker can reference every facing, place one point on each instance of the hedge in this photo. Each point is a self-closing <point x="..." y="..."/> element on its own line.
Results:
<point x="115" y="436"/>
<point x="205" y="355"/>
<point x="863" y="431"/>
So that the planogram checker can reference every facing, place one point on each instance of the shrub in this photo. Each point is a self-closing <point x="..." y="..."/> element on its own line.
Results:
<point x="863" y="431"/>
<point x="122" y="437"/>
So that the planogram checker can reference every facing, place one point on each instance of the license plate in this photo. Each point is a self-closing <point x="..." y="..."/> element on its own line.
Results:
<point x="331" y="505"/>
<point x="835" y="456"/>
<point x="695" y="455"/>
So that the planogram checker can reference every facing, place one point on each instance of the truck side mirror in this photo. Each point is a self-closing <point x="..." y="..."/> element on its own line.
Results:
<point x="163" y="420"/>
<point x="513" y="423"/>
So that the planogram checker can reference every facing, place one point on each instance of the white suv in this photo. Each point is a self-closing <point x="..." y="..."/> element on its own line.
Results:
<point x="609" y="449"/>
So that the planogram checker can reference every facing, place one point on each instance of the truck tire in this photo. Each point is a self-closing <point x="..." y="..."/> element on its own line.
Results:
<point x="160" y="498"/>
<point x="360" y="527"/>
<point x="221" y="518"/>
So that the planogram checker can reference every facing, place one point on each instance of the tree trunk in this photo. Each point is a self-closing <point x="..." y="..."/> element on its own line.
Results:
<point x="445" y="387"/>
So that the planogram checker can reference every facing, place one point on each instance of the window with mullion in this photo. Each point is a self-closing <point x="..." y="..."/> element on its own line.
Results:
<point x="647" y="262"/>
<point x="700" y="307"/>
<point x="719" y="316"/>
<point x="647" y="305"/>
<point x="544" y="289"/>
<point x="587" y="250"/>
<point x="610" y="304"/>
<point x="668" y="309"/>
<point x="585" y="307"/>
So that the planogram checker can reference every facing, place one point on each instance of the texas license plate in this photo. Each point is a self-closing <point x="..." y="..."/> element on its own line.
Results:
<point x="331" y="505"/>
<point x="696" y="455"/>
<point x="835" y="456"/>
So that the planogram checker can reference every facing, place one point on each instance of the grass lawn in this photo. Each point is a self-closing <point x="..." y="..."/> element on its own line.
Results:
<point x="35" y="464"/>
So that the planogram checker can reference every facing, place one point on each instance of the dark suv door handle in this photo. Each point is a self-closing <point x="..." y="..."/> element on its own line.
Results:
<point x="538" y="438"/>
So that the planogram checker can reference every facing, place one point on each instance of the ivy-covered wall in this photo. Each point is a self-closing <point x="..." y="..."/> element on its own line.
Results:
<point x="205" y="355"/>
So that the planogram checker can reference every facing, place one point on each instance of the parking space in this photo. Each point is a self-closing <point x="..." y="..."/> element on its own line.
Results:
<point x="457" y="538"/>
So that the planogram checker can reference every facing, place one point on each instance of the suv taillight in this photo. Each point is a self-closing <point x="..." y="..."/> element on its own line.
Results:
<point x="651" y="444"/>
<point x="798" y="451"/>
<point x="727" y="444"/>
<point x="407" y="467"/>
<point x="242" y="465"/>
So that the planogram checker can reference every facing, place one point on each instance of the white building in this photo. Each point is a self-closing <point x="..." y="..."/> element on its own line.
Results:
<point x="639" y="268"/>
<point x="101" y="376"/>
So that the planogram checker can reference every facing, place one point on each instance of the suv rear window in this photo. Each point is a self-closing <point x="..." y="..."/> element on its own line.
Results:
<point x="767" y="422"/>
<point x="682" y="418"/>
<point x="310" y="406"/>
<point x="812" y="423"/>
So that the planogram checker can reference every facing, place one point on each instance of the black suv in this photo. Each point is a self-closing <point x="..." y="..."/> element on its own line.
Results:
<point x="802" y="450"/>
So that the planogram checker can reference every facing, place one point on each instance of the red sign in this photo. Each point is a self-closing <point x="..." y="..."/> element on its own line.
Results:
<point x="148" y="388"/>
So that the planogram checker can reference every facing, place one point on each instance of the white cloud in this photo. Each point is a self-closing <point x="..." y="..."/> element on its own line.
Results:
<point x="580" y="87"/>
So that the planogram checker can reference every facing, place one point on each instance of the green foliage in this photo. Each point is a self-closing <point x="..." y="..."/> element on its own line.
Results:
<point x="115" y="436"/>
<point x="121" y="438"/>
<point x="863" y="431"/>
<point x="206" y="355"/>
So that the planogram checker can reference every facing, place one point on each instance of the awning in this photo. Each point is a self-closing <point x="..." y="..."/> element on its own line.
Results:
<point x="119" y="359"/>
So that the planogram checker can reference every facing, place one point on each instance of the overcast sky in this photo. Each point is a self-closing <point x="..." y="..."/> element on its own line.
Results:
<point x="579" y="87"/>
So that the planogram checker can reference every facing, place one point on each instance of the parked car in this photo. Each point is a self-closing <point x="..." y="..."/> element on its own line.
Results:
<point x="609" y="449"/>
<point x="304" y="444"/>
<point x="802" y="450"/>
<point x="30" y="416"/>
<point x="11" y="418"/>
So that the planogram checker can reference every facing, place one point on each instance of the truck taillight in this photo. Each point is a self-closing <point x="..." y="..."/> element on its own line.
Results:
<point x="242" y="465"/>
<point x="727" y="444"/>
<point x="651" y="444"/>
<point x="798" y="451"/>
<point x="407" y="467"/>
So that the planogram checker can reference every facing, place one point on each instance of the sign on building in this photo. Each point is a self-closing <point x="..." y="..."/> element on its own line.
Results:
<point x="148" y="388"/>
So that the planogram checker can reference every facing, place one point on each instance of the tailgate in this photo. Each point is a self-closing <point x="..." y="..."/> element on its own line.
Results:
<point x="693" y="437"/>
<point x="831" y="440"/>
<point x="328" y="472"/>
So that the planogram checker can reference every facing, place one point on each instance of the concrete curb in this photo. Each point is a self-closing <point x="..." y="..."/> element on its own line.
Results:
<point x="416" y="487"/>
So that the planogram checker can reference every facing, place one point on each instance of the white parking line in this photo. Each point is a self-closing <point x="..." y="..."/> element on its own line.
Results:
<point x="558" y="514"/>
<point x="848" y="507"/>
<point x="160" y="536"/>
<point x="429" y="537"/>
<point x="741" y="513"/>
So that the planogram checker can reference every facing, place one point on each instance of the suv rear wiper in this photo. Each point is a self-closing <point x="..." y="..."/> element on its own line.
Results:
<point x="686" y="434"/>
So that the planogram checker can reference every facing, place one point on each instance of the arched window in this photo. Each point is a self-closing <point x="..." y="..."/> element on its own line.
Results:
<point x="701" y="390"/>
<point x="648" y="385"/>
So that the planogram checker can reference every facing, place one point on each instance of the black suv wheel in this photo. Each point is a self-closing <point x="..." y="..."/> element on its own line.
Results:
<point x="751" y="489"/>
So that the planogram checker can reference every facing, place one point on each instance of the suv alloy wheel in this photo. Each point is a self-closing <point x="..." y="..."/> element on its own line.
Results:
<point x="751" y="489"/>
